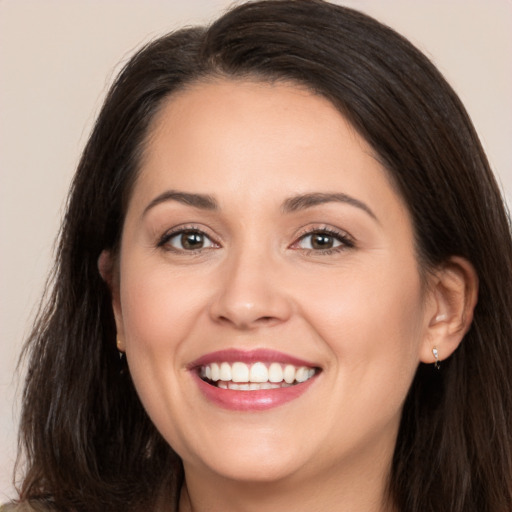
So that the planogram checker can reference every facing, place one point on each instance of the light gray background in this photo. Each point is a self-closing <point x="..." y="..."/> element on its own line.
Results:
<point x="57" y="58"/>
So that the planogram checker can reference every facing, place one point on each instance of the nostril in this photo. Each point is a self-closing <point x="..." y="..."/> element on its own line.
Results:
<point x="246" y="312"/>
<point x="242" y="323"/>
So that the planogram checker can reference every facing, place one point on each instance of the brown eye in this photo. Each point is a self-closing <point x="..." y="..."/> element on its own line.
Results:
<point x="324" y="240"/>
<point x="192" y="240"/>
<point x="189" y="240"/>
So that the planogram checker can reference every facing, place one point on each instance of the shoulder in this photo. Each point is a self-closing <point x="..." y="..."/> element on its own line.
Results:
<point x="23" y="507"/>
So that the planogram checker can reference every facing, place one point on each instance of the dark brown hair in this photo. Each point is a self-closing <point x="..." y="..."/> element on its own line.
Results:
<point x="88" y="442"/>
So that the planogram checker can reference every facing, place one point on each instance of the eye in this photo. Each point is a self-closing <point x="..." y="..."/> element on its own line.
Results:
<point x="323" y="240"/>
<point x="187" y="240"/>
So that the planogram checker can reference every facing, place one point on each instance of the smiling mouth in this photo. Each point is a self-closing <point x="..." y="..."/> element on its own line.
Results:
<point x="257" y="376"/>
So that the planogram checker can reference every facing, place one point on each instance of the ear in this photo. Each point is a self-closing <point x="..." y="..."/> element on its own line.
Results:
<point x="110" y="274"/>
<point x="453" y="296"/>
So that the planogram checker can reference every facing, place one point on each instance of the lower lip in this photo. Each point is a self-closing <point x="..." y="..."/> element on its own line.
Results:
<point x="257" y="400"/>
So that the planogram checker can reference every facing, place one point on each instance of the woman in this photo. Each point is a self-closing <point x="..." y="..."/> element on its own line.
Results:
<point x="283" y="283"/>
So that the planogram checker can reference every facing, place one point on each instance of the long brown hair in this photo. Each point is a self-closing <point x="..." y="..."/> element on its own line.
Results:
<point x="87" y="440"/>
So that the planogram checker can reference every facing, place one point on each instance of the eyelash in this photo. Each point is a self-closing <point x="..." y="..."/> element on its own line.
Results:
<point x="167" y="237"/>
<point x="346" y="242"/>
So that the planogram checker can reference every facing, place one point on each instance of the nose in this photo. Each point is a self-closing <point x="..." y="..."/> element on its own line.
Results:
<point x="251" y="293"/>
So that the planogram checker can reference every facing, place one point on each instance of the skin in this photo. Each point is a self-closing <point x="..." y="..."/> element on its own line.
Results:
<point x="360" y="311"/>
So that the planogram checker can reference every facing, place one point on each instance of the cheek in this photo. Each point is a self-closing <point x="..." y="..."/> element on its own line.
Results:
<point x="372" y="323"/>
<point x="159" y="306"/>
<point x="159" y="310"/>
<point x="378" y="309"/>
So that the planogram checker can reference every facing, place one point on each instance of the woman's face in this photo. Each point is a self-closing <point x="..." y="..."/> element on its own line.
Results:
<point x="269" y="298"/>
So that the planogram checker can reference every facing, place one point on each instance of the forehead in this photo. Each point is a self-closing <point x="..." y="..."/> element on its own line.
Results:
<point x="252" y="140"/>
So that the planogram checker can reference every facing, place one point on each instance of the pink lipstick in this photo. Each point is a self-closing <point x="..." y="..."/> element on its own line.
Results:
<point x="252" y="380"/>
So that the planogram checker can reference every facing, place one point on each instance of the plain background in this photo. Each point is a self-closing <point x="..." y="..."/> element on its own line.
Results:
<point x="57" y="58"/>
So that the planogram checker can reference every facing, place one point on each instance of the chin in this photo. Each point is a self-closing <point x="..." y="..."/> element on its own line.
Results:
<point x="252" y="461"/>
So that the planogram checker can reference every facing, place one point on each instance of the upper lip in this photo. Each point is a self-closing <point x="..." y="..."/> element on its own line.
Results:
<point x="248" y="357"/>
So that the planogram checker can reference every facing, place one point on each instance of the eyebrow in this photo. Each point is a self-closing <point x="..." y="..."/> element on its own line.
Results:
<point x="304" y="201"/>
<point x="292" y="204"/>
<point x="202" y="201"/>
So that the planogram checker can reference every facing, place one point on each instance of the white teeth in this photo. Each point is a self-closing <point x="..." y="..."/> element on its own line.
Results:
<point x="215" y="372"/>
<point x="275" y="373"/>
<point x="253" y="386"/>
<point x="225" y="372"/>
<point x="241" y="376"/>
<point x="259" y="373"/>
<point x="301" y="375"/>
<point x="289" y="373"/>
<point x="239" y="372"/>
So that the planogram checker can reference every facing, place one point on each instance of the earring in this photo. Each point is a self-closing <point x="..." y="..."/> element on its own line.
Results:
<point x="123" y="366"/>
<point x="437" y="364"/>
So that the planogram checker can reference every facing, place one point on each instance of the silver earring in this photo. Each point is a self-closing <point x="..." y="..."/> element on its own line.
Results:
<point x="122" y="358"/>
<point x="437" y="364"/>
<point x="120" y="348"/>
